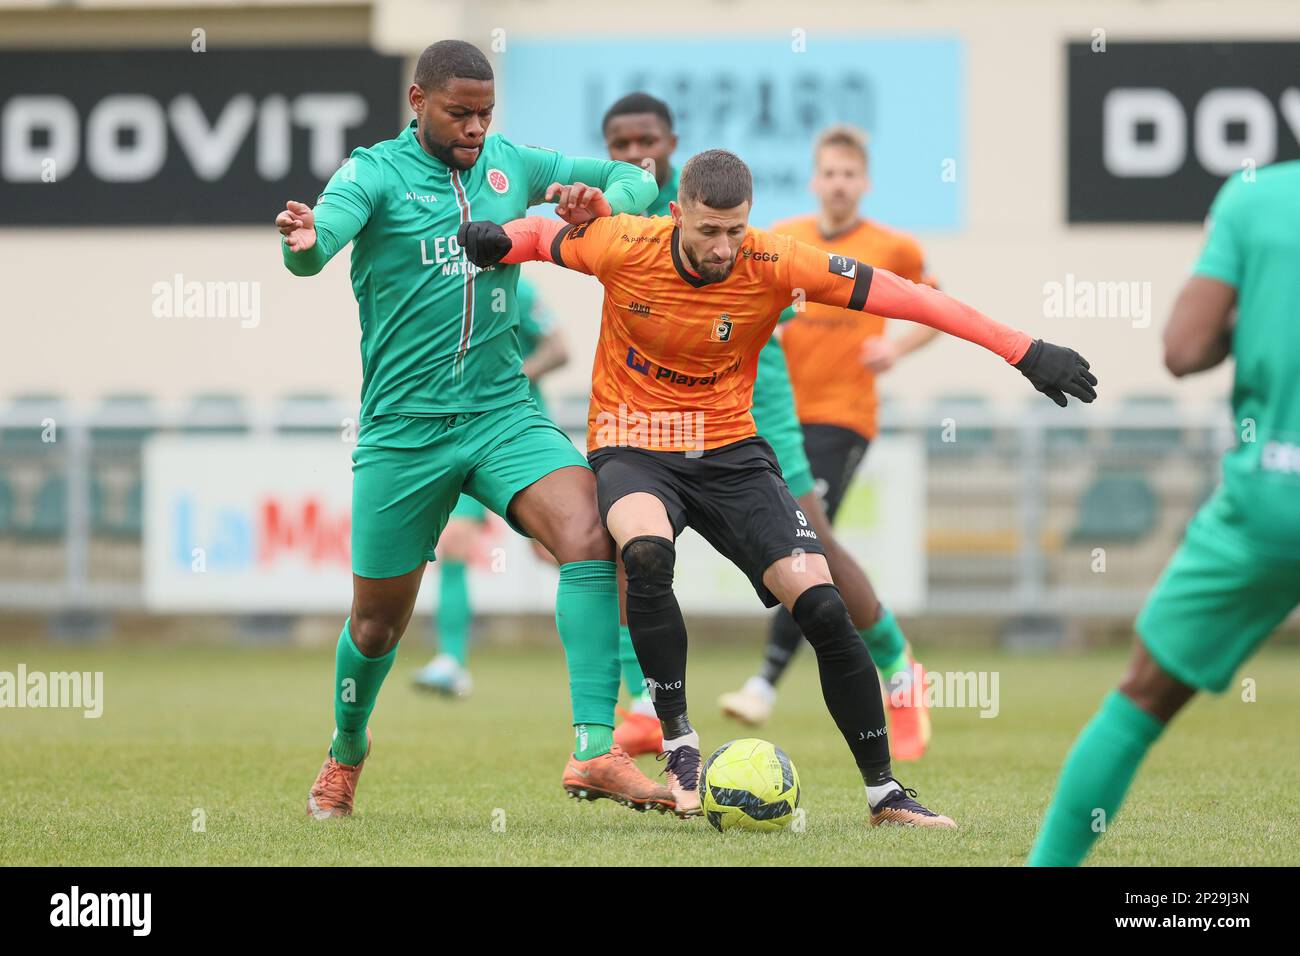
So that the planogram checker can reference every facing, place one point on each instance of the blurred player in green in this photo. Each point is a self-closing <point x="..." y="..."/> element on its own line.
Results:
<point x="1236" y="576"/>
<point x="464" y="539"/>
<point x="640" y="127"/>
<point x="445" y="404"/>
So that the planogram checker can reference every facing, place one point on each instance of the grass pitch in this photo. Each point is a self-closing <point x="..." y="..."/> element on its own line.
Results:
<point x="231" y="738"/>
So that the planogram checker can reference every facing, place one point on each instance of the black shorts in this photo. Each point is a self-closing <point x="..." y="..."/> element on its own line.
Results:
<point x="834" y="454"/>
<point x="733" y="496"/>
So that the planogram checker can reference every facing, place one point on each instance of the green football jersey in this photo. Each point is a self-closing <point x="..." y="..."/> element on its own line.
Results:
<point x="1254" y="245"/>
<point x="666" y="195"/>
<point x="535" y="323"/>
<point x="438" y="335"/>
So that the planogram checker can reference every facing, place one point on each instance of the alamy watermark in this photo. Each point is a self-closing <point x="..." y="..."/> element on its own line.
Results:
<point x="57" y="690"/>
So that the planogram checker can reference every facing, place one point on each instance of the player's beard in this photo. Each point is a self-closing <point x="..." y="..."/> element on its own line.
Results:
<point x="443" y="152"/>
<point x="711" y="271"/>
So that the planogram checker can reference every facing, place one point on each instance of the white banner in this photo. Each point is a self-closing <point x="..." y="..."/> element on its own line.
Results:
<point x="263" y="525"/>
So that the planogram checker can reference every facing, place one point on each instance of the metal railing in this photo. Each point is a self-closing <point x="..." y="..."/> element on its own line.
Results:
<point x="1019" y="521"/>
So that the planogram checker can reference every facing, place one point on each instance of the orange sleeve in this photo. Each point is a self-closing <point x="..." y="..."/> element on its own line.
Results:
<point x="536" y="239"/>
<point x="910" y="261"/>
<point x="583" y="248"/>
<point x="845" y="282"/>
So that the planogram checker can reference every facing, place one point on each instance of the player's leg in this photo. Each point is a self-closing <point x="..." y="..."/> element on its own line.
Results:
<point x="402" y="493"/>
<point x="639" y="733"/>
<point x="832" y="455"/>
<point x="850" y="687"/>
<point x="448" y="672"/>
<point x="1213" y="606"/>
<point x="644" y="535"/>
<point x="909" y="717"/>
<point x="748" y="514"/>
<point x="529" y="472"/>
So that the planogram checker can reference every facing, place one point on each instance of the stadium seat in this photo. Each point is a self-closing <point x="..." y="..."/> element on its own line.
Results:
<point x="1118" y="507"/>
<point x="1065" y="429"/>
<point x="215" y="413"/>
<point x="6" y="504"/>
<point x="22" y="428"/>
<point x="311" y="413"/>
<point x="117" y="424"/>
<point x="969" y="438"/>
<point x="1146" y="441"/>
<point x="49" y="515"/>
<point x="125" y="521"/>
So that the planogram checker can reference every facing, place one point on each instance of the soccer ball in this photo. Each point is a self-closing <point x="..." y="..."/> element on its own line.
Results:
<point x="749" y="784"/>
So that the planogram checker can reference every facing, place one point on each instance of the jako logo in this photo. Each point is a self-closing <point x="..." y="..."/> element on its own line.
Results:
<point x="103" y="909"/>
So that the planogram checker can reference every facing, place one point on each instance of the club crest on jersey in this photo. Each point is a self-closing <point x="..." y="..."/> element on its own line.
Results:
<point x="721" y="330"/>
<point x="844" y="266"/>
<point x="498" y="180"/>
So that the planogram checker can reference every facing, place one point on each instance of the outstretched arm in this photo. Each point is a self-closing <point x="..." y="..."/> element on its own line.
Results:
<point x="845" y="282"/>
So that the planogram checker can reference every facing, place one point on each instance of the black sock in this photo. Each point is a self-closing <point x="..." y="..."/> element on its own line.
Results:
<point x="658" y="631"/>
<point x="783" y="639"/>
<point x="849" y="682"/>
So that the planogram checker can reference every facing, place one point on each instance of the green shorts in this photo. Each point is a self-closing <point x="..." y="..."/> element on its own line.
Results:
<point x="1215" y="603"/>
<point x="776" y="420"/>
<point x="408" y="472"/>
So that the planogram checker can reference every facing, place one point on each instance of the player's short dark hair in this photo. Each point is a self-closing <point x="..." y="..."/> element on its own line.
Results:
<point x="450" y="59"/>
<point x="638" y="103"/>
<point x="716" y="178"/>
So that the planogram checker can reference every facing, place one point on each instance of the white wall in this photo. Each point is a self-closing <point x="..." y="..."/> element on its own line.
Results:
<point x="76" y="310"/>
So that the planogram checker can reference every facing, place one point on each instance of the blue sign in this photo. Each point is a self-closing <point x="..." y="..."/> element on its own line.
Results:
<point x="766" y="102"/>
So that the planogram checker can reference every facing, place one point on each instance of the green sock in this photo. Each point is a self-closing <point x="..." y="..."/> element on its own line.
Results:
<point x="633" y="678"/>
<point x="454" y="612"/>
<point x="357" y="680"/>
<point x="1096" y="775"/>
<point x="586" y="615"/>
<point x="592" y="740"/>
<point x="886" y="645"/>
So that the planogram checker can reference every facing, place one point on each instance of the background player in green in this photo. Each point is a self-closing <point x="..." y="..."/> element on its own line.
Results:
<point x="445" y="405"/>
<point x="541" y="344"/>
<point x="639" y="127"/>
<point x="1236" y="576"/>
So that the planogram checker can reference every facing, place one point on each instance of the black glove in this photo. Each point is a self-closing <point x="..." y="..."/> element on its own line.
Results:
<point x="485" y="243"/>
<point x="1057" y="371"/>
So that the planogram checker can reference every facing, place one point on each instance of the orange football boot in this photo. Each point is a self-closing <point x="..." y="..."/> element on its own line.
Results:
<point x="335" y="787"/>
<point x="909" y="718"/>
<point x="638" y="733"/>
<point x="613" y="776"/>
<point x="899" y="808"/>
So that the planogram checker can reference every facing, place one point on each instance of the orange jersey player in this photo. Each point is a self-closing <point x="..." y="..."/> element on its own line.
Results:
<point x="689" y="302"/>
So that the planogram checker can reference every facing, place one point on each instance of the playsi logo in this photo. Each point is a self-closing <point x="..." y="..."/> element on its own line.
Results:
<point x="103" y="909"/>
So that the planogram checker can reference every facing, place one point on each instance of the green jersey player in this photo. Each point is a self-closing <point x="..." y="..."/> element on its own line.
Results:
<point x="1236" y="575"/>
<point x="465" y="539"/>
<point x="445" y="403"/>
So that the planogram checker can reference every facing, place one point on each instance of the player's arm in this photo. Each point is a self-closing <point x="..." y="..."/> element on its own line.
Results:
<point x="879" y="353"/>
<point x="847" y="283"/>
<point x="625" y="187"/>
<point x="311" y="237"/>
<point x="534" y="239"/>
<point x="1199" y="333"/>
<point x="551" y="353"/>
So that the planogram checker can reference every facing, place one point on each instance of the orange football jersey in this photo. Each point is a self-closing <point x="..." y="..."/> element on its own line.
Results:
<point x="677" y="355"/>
<point x="822" y="343"/>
